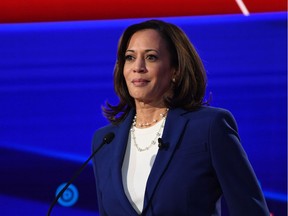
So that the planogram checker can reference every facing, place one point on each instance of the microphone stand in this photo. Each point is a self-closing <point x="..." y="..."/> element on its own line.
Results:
<point x="106" y="140"/>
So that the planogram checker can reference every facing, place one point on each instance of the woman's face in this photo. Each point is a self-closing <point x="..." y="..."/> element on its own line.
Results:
<point x="147" y="68"/>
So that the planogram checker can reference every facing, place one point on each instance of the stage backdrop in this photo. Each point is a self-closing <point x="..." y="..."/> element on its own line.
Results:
<point x="54" y="77"/>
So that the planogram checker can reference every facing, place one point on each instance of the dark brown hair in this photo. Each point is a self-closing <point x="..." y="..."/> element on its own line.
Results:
<point x="189" y="88"/>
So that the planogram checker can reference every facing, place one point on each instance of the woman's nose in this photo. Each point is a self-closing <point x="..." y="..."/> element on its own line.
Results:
<point x="139" y="66"/>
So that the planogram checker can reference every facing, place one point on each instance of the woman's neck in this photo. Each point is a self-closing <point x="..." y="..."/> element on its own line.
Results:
<point x="147" y="115"/>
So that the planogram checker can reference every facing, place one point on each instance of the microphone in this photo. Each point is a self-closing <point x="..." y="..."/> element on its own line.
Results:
<point x="106" y="140"/>
<point x="161" y="144"/>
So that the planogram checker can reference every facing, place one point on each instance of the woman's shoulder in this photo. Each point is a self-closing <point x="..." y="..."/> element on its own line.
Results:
<point x="101" y="135"/>
<point x="210" y="117"/>
<point x="209" y="113"/>
<point x="102" y="131"/>
<point x="209" y="110"/>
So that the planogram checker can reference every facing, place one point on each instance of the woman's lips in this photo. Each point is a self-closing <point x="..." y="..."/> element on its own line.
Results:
<point x="140" y="82"/>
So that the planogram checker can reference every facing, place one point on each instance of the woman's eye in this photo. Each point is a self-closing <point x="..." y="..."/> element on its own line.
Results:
<point x="128" y="58"/>
<point x="152" y="57"/>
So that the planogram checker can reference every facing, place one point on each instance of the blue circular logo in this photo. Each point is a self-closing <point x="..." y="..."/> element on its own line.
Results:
<point x="70" y="195"/>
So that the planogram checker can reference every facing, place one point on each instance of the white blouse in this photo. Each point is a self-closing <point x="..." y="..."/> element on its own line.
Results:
<point x="137" y="165"/>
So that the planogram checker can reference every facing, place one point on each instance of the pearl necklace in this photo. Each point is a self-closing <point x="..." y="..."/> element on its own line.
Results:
<point x="153" y="142"/>
<point x="147" y="124"/>
<point x="158" y="134"/>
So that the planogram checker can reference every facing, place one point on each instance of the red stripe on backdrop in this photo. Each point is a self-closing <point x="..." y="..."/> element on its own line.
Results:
<point x="12" y="11"/>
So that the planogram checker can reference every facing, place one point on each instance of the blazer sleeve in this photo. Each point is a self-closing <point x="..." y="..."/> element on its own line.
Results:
<point x="233" y="169"/>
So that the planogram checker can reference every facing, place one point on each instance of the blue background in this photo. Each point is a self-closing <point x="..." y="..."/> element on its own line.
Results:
<point x="54" y="77"/>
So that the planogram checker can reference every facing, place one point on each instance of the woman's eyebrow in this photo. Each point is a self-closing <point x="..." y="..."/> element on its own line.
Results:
<point x="147" y="50"/>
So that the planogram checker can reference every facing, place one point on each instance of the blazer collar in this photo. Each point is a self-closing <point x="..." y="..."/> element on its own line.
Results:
<point x="173" y="129"/>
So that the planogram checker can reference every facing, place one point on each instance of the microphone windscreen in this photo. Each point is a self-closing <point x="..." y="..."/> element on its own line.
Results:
<point x="108" y="137"/>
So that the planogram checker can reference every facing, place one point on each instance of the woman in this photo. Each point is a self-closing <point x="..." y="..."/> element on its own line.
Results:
<point x="171" y="154"/>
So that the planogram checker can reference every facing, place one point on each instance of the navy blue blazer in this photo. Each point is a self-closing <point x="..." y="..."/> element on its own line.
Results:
<point x="202" y="161"/>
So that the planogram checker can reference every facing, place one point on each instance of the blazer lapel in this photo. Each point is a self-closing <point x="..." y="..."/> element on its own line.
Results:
<point x="121" y="138"/>
<point x="173" y="129"/>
